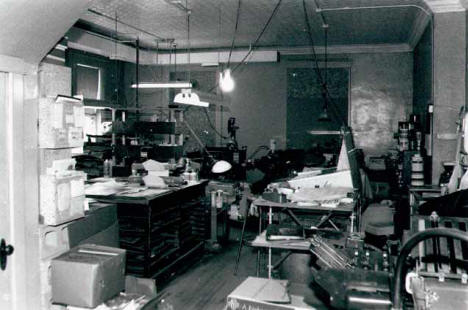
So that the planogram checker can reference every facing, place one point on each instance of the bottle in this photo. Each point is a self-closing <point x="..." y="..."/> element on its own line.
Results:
<point x="106" y="167"/>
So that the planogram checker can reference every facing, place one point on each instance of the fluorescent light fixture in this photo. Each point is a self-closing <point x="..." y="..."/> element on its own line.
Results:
<point x="210" y="64"/>
<point x="187" y="97"/>
<point x="163" y="85"/>
<point x="64" y="98"/>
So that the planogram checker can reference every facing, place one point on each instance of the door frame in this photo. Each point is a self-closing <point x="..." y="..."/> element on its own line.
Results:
<point x="19" y="195"/>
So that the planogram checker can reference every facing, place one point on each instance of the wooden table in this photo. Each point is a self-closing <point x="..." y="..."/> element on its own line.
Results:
<point x="156" y="225"/>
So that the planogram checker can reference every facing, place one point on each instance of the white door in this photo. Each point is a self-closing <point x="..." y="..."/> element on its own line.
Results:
<point x="19" y="282"/>
<point x="5" y="231"/>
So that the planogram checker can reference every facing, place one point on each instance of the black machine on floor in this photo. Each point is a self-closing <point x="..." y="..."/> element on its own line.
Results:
<point x="377" y="285"/>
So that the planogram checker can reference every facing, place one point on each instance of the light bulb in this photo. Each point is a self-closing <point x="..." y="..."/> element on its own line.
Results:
<point x="225" y="81"/>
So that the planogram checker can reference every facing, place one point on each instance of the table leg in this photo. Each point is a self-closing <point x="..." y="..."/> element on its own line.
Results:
<point x="270" y="221"/>
<point x="259" y="232"/>
<point x="241" y="242"/>
<point x="278" y="263"/>
<point x="293" y="217"/>
<point x="323" y="220"/>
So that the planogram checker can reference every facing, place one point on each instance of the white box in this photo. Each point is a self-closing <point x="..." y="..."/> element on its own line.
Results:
<point x="62" y="197"/>
<point x="60" y="123"/>
<point x="45" y="269"/>
<point x="48" y="156"/>
<point x="53" y="241"/>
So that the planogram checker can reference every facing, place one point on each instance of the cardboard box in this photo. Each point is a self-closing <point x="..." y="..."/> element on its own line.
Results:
<point x="106" y="237"/>
<point x="60" y="124"/>
<point x="88" y="275"/>
<point x="53" y="241"/>
<point x="62" y="197"/>
<point x="47" y="157"/>
<point x="95" y="227"/>
<point x="46" y="288"/>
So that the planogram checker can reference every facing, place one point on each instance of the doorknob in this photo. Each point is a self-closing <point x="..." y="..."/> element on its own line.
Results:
<point x="5" y="250"/>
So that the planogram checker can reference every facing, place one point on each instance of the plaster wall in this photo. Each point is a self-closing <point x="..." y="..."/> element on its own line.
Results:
<point x="381" y="94"/>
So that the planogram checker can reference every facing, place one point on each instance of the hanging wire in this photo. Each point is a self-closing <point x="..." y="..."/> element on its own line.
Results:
<point x="325" y="90"/>
<point x="254" y="45"/>
<point x="235" y="33"/>
<point x="312" y="44"/>
<point x="219" y="27"/>
<point x="213" y="127"/>
<point x="174" y="49"/>
<point x="188" y="39"/>
<point x="252" y="48"/>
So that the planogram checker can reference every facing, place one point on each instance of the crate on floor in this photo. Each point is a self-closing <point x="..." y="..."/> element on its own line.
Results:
<point x="88" y="275"/>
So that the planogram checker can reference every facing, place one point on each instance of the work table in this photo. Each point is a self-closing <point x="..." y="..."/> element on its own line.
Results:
<point x="158" y="227"/>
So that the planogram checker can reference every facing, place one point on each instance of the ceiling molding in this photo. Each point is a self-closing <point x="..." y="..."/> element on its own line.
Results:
<point x="418" y="29"/>
<point x="350" y="49"/>
<point x="81" y="40"/>
<point x="445" y="6"/>
<point x="16" y="65"/>
<point x="214" y="56"/>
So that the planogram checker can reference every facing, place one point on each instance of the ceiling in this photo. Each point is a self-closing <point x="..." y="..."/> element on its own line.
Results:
<point x="212" y="22"/>
<point x="30" y="28"/>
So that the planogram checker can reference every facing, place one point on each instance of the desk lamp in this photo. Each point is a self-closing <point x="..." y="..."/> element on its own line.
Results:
<point x="221" y="166"/>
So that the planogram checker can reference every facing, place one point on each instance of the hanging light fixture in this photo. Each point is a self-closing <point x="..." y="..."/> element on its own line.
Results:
<point x="226" y="83"/>
<point x="186" y="96"/>
<point x="164" y="85"/>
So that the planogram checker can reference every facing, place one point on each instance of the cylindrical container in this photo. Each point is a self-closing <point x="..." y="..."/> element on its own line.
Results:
<point x="403" y="136"/>
<point x="107" y="168"/>
<point x="213" y="199"/>
<point x="193" y="176"/>
<point x="403" y="143"/>
<point x="417" y="170"/>
<point x="219" y="199"/>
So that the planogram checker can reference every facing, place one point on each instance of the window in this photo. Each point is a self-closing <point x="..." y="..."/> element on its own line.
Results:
<point x="305" y="104"/>
<point x="95" y="77"/>
<point x="89" y="82"/>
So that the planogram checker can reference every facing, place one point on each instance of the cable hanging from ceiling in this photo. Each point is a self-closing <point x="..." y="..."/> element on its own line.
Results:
<point x="328" y="101"/>
<point x="254" y="45"/>
<point x="226" y="83"/>
<point x="187" y="96"/>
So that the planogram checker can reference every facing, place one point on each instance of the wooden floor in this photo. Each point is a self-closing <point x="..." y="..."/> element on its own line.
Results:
<point x="206" y="284"/>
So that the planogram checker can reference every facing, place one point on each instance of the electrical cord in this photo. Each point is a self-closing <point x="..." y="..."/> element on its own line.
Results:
<point x="235" y="32"/>
<point x="213" y="127"/>
<point x="320" y="78"/>
<point x="258" y="149"/>
<point x="254" y="45"/>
